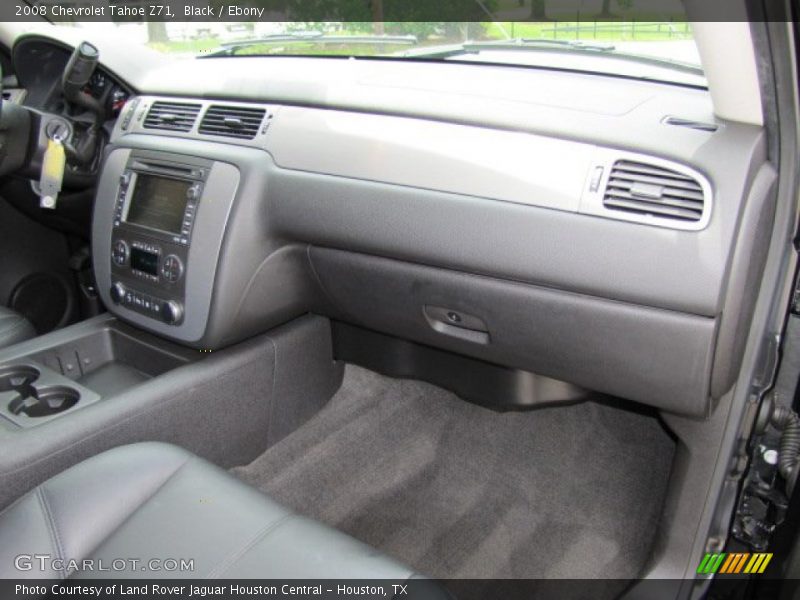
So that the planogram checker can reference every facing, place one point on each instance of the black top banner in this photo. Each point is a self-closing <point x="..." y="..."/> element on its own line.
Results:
<point x="378" y="10"/>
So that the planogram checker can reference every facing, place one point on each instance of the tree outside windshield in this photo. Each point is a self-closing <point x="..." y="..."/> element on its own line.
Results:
<point x="630" y="27"/>
<point x="669" y="40"/>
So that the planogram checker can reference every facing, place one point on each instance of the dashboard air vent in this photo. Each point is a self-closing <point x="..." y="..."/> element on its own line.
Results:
<point x="172" y="116"/>
<point x="232" y="121"/>
<point x="647" y="189"/>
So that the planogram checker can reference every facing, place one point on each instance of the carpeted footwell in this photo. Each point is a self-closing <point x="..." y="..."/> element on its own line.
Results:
<point x="455" y="490"/>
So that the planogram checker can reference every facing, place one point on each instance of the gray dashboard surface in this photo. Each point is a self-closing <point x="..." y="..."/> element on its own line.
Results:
<point x="325" y="198"/>
<point x="612" y="347"/>
<point x="474" y="169"/>
<point x="602" y="109"/>
<point x="676" y="270"/>
<point x="441" y="193"/>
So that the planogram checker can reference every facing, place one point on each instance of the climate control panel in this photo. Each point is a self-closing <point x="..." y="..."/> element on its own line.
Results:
<point x="148" y="275"/>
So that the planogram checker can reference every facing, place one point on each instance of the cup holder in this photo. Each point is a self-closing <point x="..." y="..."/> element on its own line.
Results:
<point x="45" y="402"/>
<point x="17" y="378"/>
<point x="31" y="394"/>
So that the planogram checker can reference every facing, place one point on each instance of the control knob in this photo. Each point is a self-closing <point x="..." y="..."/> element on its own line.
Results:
<point x="120" y="253"/>
<point x="171" y="311"/>
<point x="193" y="193"/>
<point x="172" y="268"/>
<point x="117" y="292"/>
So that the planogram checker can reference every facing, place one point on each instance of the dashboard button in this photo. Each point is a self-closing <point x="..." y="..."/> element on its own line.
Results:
<point x="117" y="293"/>
<point x="193" y="193"/>
<point x="172" y="268"/>
<point x="120" y="253"/>
<point x="171" y="312"/>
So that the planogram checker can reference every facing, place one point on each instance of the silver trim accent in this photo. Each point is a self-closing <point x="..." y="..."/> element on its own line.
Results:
<point x="592" y="200"/>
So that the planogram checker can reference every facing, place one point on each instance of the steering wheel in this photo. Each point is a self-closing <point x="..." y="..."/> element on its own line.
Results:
<point x="18" y="124"/>
<point x="15" y="130"/>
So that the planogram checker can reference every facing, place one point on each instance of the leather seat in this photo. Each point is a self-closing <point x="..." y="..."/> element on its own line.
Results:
<point x="157" y="501"/>
<point x="14" y="327"/>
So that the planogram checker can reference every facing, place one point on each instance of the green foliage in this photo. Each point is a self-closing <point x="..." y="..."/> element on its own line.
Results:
<point x="422" y="30"/>
<point x="421" y="12"/>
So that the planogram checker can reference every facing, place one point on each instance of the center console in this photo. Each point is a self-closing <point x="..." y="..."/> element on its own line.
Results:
<point x="191" y="266"/>
<point x="69" y="369"/>
<point x="154" y="215"/>
<point x="159" y="224"/>
<point x="186" y="241"/>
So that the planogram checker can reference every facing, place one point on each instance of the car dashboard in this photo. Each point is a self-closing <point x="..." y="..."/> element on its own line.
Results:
<point x="580" y="227"/>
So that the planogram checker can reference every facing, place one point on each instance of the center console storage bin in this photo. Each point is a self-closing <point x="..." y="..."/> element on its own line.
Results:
<point x="102" y="355"/>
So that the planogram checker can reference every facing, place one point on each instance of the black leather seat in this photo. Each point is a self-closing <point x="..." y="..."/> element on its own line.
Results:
<point x="14" y="327"/>
<point x="156" y="501"/>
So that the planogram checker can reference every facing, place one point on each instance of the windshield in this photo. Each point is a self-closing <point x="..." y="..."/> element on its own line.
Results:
<point x="652" y="50"/>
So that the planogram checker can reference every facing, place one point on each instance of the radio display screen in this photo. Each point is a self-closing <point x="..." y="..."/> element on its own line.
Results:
<point x="147" y="262"/>
<point x="158" y="202"/>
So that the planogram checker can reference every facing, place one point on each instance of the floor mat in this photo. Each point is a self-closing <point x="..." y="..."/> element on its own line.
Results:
<point x="455" y="490"/>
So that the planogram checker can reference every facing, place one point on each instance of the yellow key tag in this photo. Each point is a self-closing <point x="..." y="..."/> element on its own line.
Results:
<point x="52" y="173"/>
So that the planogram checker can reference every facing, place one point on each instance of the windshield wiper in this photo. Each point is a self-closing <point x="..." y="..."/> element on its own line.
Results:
<point x="533" y="44"/>
<point x="315" y="37"/>
<point x="546" y="45"/>
<point x="536" y="44"/>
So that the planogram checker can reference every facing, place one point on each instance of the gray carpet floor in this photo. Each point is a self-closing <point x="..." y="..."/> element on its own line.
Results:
<point x="455" y="490"/>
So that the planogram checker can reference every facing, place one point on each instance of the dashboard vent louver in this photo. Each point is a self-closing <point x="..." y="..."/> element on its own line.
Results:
<point x="172" y="116"/>
<point x="646" y="189"/>
<point x="232" y="121"/>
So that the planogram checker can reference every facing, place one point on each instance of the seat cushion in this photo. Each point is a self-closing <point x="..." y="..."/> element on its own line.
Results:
<point x="156" y="501"/>
<point x="14" y="327"/>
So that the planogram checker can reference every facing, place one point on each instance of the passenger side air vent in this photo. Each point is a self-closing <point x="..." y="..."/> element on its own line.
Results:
<point x="649" y="190"/>
<point x="232" y="121"/>
<point x="172" y="116"/>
